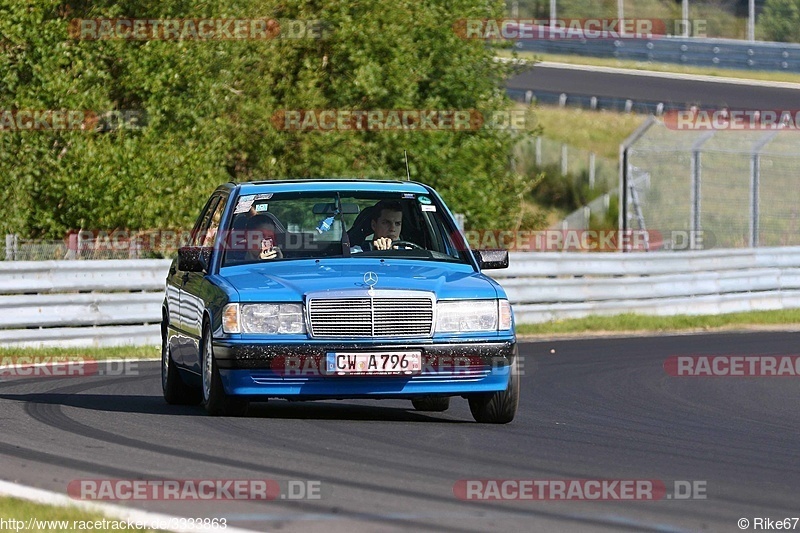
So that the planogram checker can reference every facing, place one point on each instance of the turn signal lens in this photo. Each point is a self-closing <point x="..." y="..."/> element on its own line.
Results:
<point x="230" y="319"/>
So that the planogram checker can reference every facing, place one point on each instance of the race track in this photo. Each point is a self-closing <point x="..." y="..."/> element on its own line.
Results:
<point x="659" y="87"/>
<point x="593" y="409"/>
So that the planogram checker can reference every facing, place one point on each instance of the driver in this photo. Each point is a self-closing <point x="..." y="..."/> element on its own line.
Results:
<point x="386" y="224"/>
<point x="261" y="241"/>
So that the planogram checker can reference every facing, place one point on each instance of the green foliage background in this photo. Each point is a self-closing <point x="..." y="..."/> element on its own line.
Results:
<point x="209" y="106"/>
<point x="780" y="21"/>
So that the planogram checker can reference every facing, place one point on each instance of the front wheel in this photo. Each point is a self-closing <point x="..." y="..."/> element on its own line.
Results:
<point x="216" y="401"/>
<point x="497" y="407"/>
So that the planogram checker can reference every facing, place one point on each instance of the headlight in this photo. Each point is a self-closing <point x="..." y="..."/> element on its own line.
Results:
<point x="466" y="315"/>
<point x="265" y="318"/>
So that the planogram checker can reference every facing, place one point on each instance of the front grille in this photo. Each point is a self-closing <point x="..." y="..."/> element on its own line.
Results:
<point x="379" y="316"/>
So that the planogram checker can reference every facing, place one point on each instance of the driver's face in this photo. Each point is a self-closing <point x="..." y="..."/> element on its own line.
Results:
<point x="388" y="224"/>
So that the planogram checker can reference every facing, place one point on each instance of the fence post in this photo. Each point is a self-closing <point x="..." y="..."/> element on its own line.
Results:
<point x="538" y="151"/>
<point x="755" y="170"/>
<point x="755" y="178"/>
<point x="695" y="224"/>
<point x="12" y="243"/>
<point x="591" y="170"/>
<point x="564" y="160"/>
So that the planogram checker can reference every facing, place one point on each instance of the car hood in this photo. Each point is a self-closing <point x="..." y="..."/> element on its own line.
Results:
<point x="290" y="280"/>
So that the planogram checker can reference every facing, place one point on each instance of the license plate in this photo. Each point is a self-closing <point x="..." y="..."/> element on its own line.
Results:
<point x="373" y="364"/>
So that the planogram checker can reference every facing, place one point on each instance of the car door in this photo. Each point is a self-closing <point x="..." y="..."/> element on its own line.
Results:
<point x="181" y="318"/>
<point x="195" y="289"/>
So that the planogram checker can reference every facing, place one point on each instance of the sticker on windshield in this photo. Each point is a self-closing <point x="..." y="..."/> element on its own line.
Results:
<point x="244" y="204"/>
<point x="263" y="196"/>
<point x="424" y="200"/>
<point x="408" y="195"/>
<point x="243" y="207"/>
<point x="260" y="208"/>
<point x="428" y="208"/>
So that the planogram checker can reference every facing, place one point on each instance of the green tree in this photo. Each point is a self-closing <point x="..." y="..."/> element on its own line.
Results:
<point x="780" y="21"/>
<point x="209" y="108"/>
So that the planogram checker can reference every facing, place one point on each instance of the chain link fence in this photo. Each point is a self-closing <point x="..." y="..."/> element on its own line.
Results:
<point x="599" y="174"/>
<point x="738" y="188"/>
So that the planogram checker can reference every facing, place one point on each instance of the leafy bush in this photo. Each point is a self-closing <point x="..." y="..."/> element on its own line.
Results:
<point x="568" y="192"/>
<point x="780" y="21"/>
<point x="210" y="105"/>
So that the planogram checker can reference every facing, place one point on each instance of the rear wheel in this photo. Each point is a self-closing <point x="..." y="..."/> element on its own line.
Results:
<point x="431" y="403"/>
<point x="175" y="391"/>
<point x="497" y="407"/>
<point x="216" y="401"/>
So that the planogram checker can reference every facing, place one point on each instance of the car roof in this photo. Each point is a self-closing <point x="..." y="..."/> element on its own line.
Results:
<point x="354" y="185"/>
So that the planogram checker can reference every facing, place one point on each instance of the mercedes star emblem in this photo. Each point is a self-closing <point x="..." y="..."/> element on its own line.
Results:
<point x="370" y="278"/>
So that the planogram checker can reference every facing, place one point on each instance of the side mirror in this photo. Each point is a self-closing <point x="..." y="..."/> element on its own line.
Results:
<point x="488" y="259"/>
<point x="194" y="258"/>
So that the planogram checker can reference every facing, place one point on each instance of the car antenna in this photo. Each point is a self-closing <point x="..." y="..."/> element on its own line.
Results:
<point x="408" y="174"/>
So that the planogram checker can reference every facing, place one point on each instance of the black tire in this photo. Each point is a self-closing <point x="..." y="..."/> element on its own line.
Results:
<point x="436" y="404"/>
<point x="215" y="400"/>
<point x="497" y="407"/>
<point x="175" y="391"/>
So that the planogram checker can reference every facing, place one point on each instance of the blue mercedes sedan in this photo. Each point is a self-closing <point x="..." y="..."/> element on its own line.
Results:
<point x="336" y="289"/>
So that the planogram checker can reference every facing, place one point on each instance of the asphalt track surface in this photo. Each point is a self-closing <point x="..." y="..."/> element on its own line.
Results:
<point x="640" y="87"/>
<point x="593" y="409"/>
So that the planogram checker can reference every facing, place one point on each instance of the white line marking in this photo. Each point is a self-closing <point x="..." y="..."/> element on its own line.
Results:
<point x="110" y="510"/>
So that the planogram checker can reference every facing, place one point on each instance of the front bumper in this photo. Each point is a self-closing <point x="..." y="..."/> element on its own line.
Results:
<point x="296" y="371"/>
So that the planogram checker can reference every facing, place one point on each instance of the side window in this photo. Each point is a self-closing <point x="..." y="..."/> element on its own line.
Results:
<point x="206" y="228"/>
<point x="213" y="226"/>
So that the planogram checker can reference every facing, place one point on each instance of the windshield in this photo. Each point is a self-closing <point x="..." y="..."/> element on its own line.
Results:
<point x="289" y="226"/>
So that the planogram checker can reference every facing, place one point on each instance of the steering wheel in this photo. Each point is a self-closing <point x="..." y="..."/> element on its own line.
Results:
<point x="407" y="244"/>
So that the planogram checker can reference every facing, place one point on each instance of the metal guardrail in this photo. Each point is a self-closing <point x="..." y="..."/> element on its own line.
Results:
<point x="552" y="286"/>
<point x="724" y="53"/>
<point x="116" y="302"/>
<point x="81" y="303"/>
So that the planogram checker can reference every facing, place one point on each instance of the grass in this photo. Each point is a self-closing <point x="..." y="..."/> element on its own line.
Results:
<point x="65" y="354"/>
<point x="632" y="323"/>
<point x="13" y="508"/>
<point x="600" y="132"/>
<point x="762" y="75"/>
